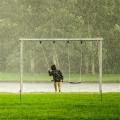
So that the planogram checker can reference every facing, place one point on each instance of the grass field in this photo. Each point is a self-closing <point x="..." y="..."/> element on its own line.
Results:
<point x="45" y="77"/>
<point x="64" y="106"/>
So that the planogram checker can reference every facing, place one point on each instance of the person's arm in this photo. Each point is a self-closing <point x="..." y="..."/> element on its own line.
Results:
<point x="50" y="72"/>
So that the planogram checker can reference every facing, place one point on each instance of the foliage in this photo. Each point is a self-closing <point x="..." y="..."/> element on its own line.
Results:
<point x="60" y="19"/>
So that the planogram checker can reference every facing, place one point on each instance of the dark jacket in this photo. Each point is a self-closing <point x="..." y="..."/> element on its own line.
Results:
<point x="57" y="75"/>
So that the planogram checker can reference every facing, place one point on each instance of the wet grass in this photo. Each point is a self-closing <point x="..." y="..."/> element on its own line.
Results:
<point x="45" y="77"/>
<point x="64" y="106"/>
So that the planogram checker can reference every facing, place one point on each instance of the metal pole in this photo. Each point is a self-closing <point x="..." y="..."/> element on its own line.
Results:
<point x="61" y="39"/>
<point x="21" y="68"/>
<point x="100" y="68"/>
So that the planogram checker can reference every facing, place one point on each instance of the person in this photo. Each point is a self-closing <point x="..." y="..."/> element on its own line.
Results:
<point x="57" y="77"/>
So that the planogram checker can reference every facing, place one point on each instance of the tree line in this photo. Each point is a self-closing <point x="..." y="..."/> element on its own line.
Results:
<point x="59" y="19"/>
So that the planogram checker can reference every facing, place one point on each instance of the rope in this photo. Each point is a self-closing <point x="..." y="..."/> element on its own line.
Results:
<point x="56" y="55"/>
<point x="81" y="61"/>
<point x="69" y="68"/>
<point x="44" y="54"/>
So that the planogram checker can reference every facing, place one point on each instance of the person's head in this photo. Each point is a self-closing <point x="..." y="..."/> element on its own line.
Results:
<point x="53" y="67"/>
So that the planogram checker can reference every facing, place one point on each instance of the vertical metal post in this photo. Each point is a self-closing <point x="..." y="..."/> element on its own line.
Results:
<point x="21" y="68"/>
<point x="100" y="68"/>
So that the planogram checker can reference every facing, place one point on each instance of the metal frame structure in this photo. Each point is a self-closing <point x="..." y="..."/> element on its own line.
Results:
<point x="22" y="40"/>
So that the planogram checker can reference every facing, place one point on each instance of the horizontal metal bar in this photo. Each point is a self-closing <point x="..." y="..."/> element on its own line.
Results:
<point x="61" y="39"/>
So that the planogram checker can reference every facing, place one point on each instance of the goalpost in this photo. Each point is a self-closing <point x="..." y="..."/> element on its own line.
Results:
<point x="22" y="40"/>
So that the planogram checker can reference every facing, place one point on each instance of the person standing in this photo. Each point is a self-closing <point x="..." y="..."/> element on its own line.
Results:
<point x="57" y="77"/>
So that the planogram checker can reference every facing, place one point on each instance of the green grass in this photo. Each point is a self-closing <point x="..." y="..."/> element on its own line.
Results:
<point x="45" y="77"/>
<point x="64" y="106"/>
